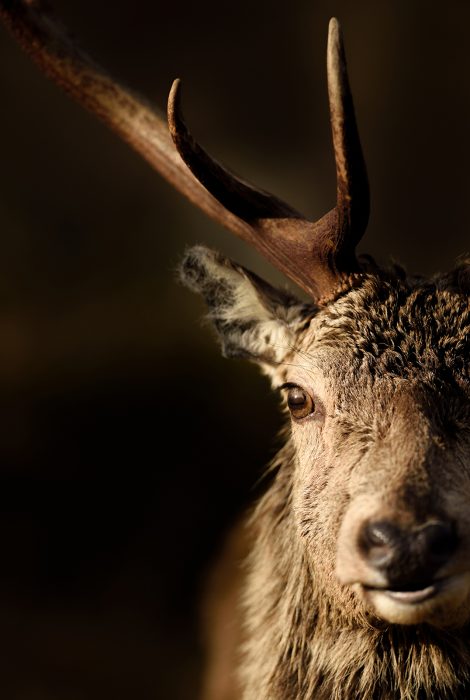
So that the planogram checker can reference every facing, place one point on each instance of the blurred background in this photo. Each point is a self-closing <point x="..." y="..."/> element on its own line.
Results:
<point x="127" y="444"/>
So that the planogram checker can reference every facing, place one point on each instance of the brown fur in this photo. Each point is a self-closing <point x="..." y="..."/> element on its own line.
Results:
<point x="387" y="361"/>
<point x="221" y="619"/>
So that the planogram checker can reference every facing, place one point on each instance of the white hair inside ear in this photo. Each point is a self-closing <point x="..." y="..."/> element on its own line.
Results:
<point x="253" y="320"/>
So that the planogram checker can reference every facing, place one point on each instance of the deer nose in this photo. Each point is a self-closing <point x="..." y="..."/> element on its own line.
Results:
<point x="408" y="558"/>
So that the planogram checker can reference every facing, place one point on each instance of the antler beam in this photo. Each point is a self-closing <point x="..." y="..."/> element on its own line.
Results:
<point x="315" y="255"/>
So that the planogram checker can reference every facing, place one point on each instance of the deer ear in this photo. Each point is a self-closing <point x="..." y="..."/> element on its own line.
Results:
<point x="252" y="319"/>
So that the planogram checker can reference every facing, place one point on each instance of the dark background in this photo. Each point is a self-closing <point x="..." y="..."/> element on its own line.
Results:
<point x="127" y="445"/>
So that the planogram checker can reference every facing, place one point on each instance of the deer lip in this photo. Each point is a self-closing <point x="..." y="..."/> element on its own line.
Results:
<point x="408" y="597"/>
<point x="412" y="597"/>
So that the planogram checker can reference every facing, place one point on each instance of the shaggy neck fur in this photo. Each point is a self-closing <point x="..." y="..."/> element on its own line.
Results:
<point x="300" y="648"/>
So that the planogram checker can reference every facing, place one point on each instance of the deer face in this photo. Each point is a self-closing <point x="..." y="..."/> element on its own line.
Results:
<point x="377" y="383"/>
<point x="382" y="485"/>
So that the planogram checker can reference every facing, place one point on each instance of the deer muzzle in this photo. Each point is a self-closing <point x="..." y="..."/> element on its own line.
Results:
<point x="403" y="570"/>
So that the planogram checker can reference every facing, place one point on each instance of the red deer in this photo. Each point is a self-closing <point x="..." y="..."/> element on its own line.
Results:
<point x="357" y="579"/>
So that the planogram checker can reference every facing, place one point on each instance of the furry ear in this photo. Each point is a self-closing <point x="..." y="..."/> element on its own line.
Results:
<point x="252" y="319"/>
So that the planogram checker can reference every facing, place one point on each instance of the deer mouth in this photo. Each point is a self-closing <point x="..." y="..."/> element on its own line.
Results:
<point x="408" y="607"/>
<point x="443" y="602"/>
<point x="409" y="597"/>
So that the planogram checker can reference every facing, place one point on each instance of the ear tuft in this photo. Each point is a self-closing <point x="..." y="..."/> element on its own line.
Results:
<point x="200" y="271"/>
<point x="252" y="319"/>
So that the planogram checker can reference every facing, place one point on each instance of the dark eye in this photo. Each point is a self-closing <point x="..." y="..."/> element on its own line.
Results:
<point x="300" y="403"/>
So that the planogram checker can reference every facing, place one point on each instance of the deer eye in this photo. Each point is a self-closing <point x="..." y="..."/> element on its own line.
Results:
<point x="300" y="403"/>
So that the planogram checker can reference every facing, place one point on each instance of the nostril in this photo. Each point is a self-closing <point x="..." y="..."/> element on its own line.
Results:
<point x="378" y="541"/>
<point x="379" y="534"/>
<point x="438" y="541"/>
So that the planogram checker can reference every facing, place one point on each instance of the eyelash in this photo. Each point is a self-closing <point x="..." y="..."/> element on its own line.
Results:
<point x="289" y="385"/>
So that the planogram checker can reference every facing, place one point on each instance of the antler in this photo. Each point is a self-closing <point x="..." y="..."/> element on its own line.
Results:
<point x="315" y="255"/>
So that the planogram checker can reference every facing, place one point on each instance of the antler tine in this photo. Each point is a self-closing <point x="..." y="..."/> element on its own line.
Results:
<point x="314" y="255"/>
<point x="352" y="198"/>
<point x="237" y="196"/>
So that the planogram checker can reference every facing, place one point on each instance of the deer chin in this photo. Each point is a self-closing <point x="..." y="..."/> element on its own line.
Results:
<point x="444" y="603"/>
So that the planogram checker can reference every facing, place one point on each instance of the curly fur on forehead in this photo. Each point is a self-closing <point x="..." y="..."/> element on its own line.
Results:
<point x="402" y="324"/>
